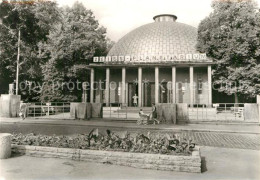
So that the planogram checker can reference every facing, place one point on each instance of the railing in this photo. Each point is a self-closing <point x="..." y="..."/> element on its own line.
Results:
<point x="216" y="112"/>
<point x="195" y="112"/>
<point x="115" y="110"/>
<point x="48" y="110"/>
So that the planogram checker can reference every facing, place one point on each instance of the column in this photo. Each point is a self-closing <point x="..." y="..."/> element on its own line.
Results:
<point x="156" y="85"/>
<point x="126" y="94"/>
<point x="107" y="87"/>
<point x="173" y="84"/>
<point x="140" y="87"/>
<point x="92" y="74"/>
<point x="123" y="85"/>
<point x="191" y="86"/>
<point x="209" y="85"/>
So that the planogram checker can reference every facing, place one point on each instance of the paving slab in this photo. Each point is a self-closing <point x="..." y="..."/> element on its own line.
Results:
<point x="218" y="164"/>
<point x="228" y="128"/>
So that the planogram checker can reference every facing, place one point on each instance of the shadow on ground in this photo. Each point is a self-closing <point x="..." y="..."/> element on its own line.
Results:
<point x="203" y="164"/>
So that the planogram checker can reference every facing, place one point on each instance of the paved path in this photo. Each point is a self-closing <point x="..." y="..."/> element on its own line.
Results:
<point x="228" y="140"/>
<point x="217" y="127"/>
<point x="217" y="164"/>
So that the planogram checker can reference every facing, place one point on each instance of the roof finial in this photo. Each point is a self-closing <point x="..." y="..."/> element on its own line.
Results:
<point x="165" y="18"/>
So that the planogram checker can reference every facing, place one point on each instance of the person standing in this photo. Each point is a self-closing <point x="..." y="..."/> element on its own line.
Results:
<point x="135" y="98"/>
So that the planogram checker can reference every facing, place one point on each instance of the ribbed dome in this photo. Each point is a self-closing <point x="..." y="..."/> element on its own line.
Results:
<point x="158" y="38"/>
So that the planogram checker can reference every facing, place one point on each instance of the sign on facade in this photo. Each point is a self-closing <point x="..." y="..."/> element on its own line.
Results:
<point x="151" y="58"/>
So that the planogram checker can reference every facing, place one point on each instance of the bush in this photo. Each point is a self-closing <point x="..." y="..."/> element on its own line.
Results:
<point x="140" y="143"/>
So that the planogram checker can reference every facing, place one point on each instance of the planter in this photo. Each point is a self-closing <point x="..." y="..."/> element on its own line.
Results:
<point x="190" y="163"/>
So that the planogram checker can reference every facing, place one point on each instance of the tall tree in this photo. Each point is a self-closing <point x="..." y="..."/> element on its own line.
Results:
<point x="71" y="44"/>
<point x="230" y="35"/>
<point x="34" y="21"/>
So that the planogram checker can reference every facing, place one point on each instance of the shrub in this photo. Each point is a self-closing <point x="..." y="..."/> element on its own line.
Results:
<point x="139" y="143"/>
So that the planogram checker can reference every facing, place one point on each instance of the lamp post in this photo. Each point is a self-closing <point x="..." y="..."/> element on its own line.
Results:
<point x="18" y="61"/>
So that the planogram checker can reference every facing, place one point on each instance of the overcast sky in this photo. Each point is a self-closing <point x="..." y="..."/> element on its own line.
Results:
<point x="122" y="16"/>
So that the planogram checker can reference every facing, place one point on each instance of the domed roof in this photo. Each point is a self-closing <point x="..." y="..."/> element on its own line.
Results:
<point x="158" y="38"/>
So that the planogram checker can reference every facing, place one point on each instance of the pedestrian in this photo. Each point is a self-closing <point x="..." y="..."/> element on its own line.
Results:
<point x="154" y="114"/>
<point x="23" y="108"/>
<point x="135" y="98"/>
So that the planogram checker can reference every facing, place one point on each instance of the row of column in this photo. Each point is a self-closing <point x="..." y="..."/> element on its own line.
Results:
<point x="191" y="70"/>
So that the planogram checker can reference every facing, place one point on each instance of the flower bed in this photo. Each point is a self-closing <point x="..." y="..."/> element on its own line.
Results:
<point x="167" y="152"/>
<point x="124" y="141"/>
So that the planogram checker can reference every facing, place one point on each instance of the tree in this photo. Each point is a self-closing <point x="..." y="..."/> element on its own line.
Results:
<point x="230" y="35"/>
<point x="70" y="44"/>
<point x="34" y="21"/>
<point x="49" y="89"/>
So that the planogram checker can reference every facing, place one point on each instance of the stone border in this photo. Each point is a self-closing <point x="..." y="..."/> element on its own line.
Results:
<point x="138" y="160"/>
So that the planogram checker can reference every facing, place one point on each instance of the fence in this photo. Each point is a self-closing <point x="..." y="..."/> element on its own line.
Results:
<point x="216" y="112"/>
<point x="118" y="111"/>
<point x="236" y="112"/>
<point x="124" y="112"/>
<point x="59" y="110"/>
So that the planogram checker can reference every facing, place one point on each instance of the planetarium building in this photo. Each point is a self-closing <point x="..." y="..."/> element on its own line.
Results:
<point x="155" y="63"/>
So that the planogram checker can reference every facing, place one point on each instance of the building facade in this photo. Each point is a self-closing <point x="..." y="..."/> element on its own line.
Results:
<point x="155" y="63"/>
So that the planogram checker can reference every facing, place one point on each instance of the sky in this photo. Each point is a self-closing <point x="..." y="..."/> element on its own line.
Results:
<point x="122" y="16"/>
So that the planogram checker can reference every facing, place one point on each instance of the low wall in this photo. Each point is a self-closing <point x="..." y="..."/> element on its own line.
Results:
<point x="80" y="110"/>
<point x="251" y="113"/>
<point x="97" y="110"/>
<point x="166" y="112"/>
<point x="86" y="110"/>
<point x="138" y="160"/>
<point x="182" y="113"/>
<point x="9" y="105"/>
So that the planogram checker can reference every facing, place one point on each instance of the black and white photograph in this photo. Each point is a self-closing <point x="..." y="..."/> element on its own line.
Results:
<point x="129" y="89"/>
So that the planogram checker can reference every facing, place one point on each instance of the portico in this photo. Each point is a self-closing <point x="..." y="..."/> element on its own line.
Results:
<point x="152" y="84"/>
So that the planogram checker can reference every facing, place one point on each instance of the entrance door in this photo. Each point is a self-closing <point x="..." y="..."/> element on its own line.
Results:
<point x="148" y="94"/>
<point x="148" y="98"/>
